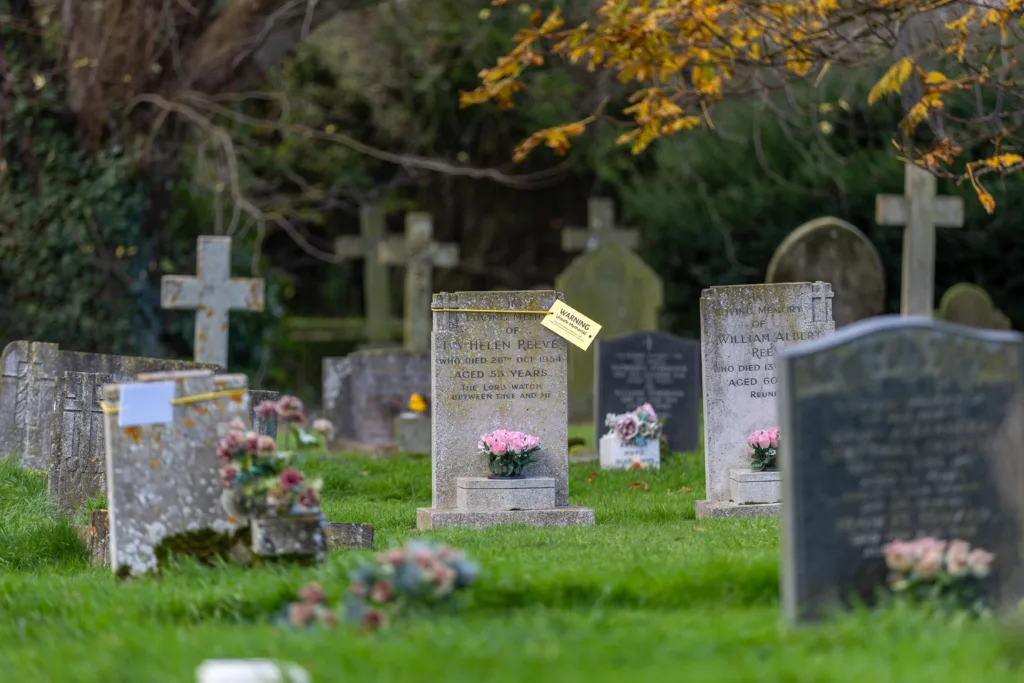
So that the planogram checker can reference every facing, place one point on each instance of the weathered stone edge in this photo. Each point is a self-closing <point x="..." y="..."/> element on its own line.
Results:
<point x="708" y="509"/>
<point x="434" y="518"/>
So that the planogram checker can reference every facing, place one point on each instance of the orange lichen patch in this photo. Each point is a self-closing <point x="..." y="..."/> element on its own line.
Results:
<point x="201" y="336"/>
<point x="134" y="433"/>
<point x="209" y="313"/>
<point x="156" y="508"/>
<point x="188" y="422"/>
<point x="232" y="520"/>
<point x="154" y="464"/>
<point x="237" y="396"/>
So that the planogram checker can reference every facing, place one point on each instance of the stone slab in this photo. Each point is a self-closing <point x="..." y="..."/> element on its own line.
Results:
<point x="572" y="515"/>
<point x="616" y="455"/>
<point x="412" y="433"/>
<point x="96" y="537"/>
<point x="290" y="535"/>
<point x="747" y="486"/>
<point x="479" y="494"/>
<point x="349" y="535"/>
<point x="709" y="509"/>
<point x="77" y="464"/>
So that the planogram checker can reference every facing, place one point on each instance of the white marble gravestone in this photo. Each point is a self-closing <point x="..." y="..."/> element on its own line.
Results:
<point x="742" y="329"/>
<point x="164" y="479"/>
<point x="497" y="371"/>
<point x="213" y="294"/>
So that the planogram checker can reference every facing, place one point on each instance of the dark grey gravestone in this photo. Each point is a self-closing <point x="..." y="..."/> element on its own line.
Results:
<point x="260" y="425"/>
<point x="651" y="367"/>
<point x="77" y="463"/>
<point x="897" y="428"/>
<point x="364" y="391"/>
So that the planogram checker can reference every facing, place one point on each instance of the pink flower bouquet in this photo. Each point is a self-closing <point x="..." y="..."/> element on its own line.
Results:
<point x="763" y="447"/>
<point x="635" y="428"/>
<point x="508" y="452"/>
<point x="931" y="569"/>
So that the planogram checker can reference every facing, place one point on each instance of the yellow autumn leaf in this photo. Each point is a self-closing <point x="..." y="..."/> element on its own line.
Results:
<point x="1003" y="161"/>
<point x="935" y="78"/>
<point x="892" y="81"/>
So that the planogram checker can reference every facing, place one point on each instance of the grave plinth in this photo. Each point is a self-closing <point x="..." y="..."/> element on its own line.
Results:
<point x="482" y="494"/>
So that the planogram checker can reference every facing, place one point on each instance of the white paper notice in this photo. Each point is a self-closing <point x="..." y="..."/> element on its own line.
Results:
<point x="144" y="404"/>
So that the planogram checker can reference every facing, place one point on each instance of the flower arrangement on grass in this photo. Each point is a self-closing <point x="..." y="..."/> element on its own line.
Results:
<point x="262" y="478"/>
<point x="949" y="574"/>
<point x="508" y="452"/>
<point x="762" y="448"/>
<point x="635" y="428"/>
<point x="418" y="404"/>
<point x="407" y="581"/>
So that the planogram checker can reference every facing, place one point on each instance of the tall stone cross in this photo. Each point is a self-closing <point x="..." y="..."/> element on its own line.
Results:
<point x="920" y="211"/>
<point x="420" y="254"/>
<point x="376" y="290"/>
<point x="600" y="229"/>
<point x="212" y="293"/>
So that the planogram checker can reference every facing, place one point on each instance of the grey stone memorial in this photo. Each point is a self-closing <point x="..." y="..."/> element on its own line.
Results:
<point x="77" y="466"/>
<point x="376" y="286"/>
<point x="259" y="425"/>
<point x="497" y="371"/>
<point x="651" y="367"/>
<point x="968" y="304"/>
<point x="28" y="373"/>
<point x="213" y="294"/>
<point x="364" y="392"/>
<point x="894" y="429"/>
<point x="164" y="479"/>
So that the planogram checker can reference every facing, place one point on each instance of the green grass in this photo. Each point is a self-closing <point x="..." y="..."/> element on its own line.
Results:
<point x="648" y="594"/>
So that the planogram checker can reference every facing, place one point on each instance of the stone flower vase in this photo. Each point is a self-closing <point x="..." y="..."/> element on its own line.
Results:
<point x="290" y="534"/>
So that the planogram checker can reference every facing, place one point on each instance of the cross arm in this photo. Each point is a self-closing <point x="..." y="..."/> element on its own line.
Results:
<point x="891" y="209"/>
<point x="245" y="294"/>
<point x="179" y="292"/>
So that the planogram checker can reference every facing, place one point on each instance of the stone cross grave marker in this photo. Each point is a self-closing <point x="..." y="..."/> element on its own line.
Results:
<point x="28" y="372"/>
<point x="420" y="254"/>
<point x="967" y="304"/>
<point x="164" y="480"/>
<point x="920" y="211"/>
<point x="600" y="229"/>
<point x="497" y="371"/>
<point x="213" y="293"/>
<point x="376" y="287"/>
<point x="896" y="429"/>
<point x="831" y="250"/>
<point x="651" y="367"/>
<point x="743" y="327"/>
<point x="364" y="391"/>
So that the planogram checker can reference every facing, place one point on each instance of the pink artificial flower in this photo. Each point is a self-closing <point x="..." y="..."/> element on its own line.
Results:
<point x="498" y="448"/>
<point x="750" y="452"/>
<point x="753" y="438"/>
<point x="444" y="578"/>
<point x="223" y="457"/>
<point x="382" y="591"/>
<point x="309" y="499"/>
<point x="324" y="427"/>
<point x="301" y="614"/>
<point x="900" y="556"/>
<point x="481" y="444"/>
<point x="290" y="478"/>
<point x="233" y="441"/>
<point x="627" y="427"/>
<point x="393" y="557"/>
<point x="979" y="563"/>
<point x="265" y="446"/>
<point x="763" y="440"/>
<point x="289" y="409"/>
<point x="251" y="440"/>
<point x="374" y="618"/>
<point x="930" y="564"/>
<point x="773" y="436"/>
<point x="956" y="557"/>
<point x="227" y="476"/>
<point x="532" y="441"/>
<point x="237" y="424"/>
<point x="648" y="410"/>
<point x="266" y="409"/>
<point x="312" y="594"/>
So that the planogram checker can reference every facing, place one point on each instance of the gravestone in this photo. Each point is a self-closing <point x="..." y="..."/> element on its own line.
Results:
<point x="600" y="229"/>
<point x="376" y="284"/>
<point x="260" y="425"/>
<point x="497" y="371"/>
<point x="651" y="367"/>
<point x="420" y="254"/>
<point x="213" y="293"/>
<point x="364" y="391"/>
<point x="615" y="288"/>
<point x="967" y="304"/>
<point x="164" y="479"/>
<point x="28" y="372"/>
<point x="898" y="428"/>
<point x="920" y="211"/>
<point x="831" y="250"/>
<point x="743" y="327"/>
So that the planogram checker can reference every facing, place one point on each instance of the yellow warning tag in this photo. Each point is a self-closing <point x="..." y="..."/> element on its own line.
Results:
<point x="571" y="325"/>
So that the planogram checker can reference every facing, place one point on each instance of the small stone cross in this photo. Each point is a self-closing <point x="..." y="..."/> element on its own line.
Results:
<point x="212" y="293"/>
<point x="601" y="229"/>
<point x="420" y="254"/>
<point x="920" y="211"/>
<point x="376" y="289"/>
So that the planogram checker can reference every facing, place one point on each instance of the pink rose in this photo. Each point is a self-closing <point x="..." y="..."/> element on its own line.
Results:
<point x="979" y="563"/>
<point x="223" y="457"/>
<point x="312" y="594"/>
<point x="648" y="410"/>
<point x="227" y="476"/>
<point x="374" y="619"/>
<point x="233" y="441"/>
<point x="250" y="442"/>
<point x="498" y="448"/>
<point x="382" y="591"/>
<point x="265" y="446"/>
<point x="301" y="614"/>
<point x="763" y="440"/>
<point x="753" y="438"/>
<point x="290" y="478"/>
<point x="309" y="499"/>
<point x="289" y="409"/>
<point x="532" y="441"/>
<point x="956" y="557"/>
<point x="266" y="409"/>
<point x="900" y="556"/>
<point x="930" y="564"/>
<point x="773" y="436"/>
<point x="627" y="427"/>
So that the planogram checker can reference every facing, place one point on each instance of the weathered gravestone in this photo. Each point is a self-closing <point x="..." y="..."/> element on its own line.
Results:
<point x="614" y="287"/>
<point x="968" y="304"/>
<point x="259" y="424"/>
<point x="77" y="463"/>
<point x="364" y="392"/>
<point x="831" y="250"/>
<point x="28" y="372"/>
<point x="497" y="371"/>
<point x="651" y="367"/>
<point x="164" y="479"/>
<point x="896" y="429"/>
<point x="742" y="329"/>
<point x="376" y="285"/>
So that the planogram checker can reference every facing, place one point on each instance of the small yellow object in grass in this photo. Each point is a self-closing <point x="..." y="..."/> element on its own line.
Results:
<point x="417" y="404"/>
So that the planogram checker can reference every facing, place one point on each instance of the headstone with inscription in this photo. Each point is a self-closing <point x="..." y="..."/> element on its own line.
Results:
<point x="28" y="372"/>
<point x="967" y="304"/>
<point x="742" y="329"/>
<point x="366" y="390"/>
<point x="164" y="479"/>
<point x="651" y="367"/>
<point x="497" y="370"/>
<point x="896" y="429"/>
<point x="77" y="465"/>
<point x="831" y="250"/>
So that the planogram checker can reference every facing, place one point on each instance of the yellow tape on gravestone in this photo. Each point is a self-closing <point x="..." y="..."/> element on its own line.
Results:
<point x="571" y="325"/>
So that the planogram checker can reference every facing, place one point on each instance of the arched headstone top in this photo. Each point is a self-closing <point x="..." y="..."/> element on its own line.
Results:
<point x="969" y="304"/>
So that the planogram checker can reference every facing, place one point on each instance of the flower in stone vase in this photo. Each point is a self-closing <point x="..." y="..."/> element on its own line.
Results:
<point x="762" y="448"/>
<point x="950" y="575"/>
<point x="418" y="404"/>
<point x="324" y="428"/>
<point x="635" y="428"/>
<point x="508" y="452"/>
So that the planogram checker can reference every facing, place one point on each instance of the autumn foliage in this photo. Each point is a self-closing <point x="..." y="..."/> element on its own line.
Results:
<point x="681" y="57"/>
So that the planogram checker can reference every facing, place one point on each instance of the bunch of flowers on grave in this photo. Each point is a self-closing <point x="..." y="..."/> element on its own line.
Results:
<point x="261" y="478"/>
<point x="635" y="428"/>
<point x="419" y="404"/>
<point x="416" y="579"/>
<point x="762" y="449"/>
<point x="950" y="575"/>
<point x="508" y="452"/>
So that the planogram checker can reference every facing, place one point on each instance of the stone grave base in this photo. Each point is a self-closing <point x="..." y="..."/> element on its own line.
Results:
<point x="434" y="518"/>
<point x="342" y="535"/>
<point x="494" y="495"/>
<point x="714" y="508"/>
<point x="747" y="486"/>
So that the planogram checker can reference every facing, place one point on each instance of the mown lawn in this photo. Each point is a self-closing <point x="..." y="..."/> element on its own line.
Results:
<point x="648" y="594"/>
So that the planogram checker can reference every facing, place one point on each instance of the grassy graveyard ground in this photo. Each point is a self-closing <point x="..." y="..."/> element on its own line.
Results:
<point x="649" y="594"/>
